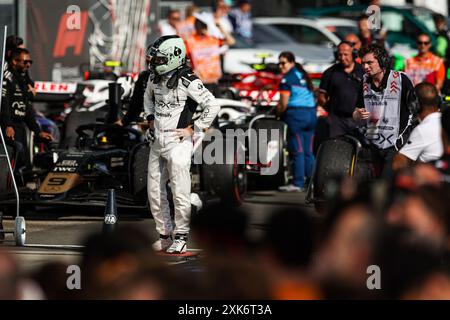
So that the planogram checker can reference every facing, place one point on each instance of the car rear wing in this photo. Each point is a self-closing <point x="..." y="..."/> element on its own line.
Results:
<point x="57" y="91"/>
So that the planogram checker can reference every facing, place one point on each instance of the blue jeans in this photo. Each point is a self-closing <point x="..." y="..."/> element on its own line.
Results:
<point x="301" y="123"/>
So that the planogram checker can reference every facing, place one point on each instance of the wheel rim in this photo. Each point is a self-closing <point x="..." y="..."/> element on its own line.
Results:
<point x="20" y="231"/>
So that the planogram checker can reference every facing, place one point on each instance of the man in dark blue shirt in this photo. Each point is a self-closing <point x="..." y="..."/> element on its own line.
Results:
<point x="339" y="90"/>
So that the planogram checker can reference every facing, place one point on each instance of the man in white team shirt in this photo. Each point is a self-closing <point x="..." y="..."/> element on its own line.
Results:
<point x="424" y="143"/>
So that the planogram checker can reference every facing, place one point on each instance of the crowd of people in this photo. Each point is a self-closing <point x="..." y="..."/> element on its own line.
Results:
<point x="400" y="227"/>
<point x="208" y="35"/>
<point x="363" y="96"/>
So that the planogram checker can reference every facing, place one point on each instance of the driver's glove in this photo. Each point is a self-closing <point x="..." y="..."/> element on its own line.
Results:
<point x="185" y="133"/>
<point x="149" y="135"/>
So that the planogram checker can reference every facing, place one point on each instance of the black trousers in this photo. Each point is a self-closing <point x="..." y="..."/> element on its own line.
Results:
<point x="19" y="144"/>
<point x="340" y="126"/>
<point x="382" y="160"/>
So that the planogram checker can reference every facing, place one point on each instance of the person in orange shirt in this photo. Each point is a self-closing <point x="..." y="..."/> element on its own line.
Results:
<point x="425" y="67"/>
<point x="186" y="28"/>
<point x="204" y="53"/>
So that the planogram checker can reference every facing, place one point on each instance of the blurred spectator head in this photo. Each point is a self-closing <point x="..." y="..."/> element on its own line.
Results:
<point x="410" y="178"/>
<point x="52" y="279"/>
<point x="375" y="59"/>
<point x="289" y="238"/>
<point x="411" y="267"/>
<point x="219" y="229"/>
<point x="439" y="21"/>
<point x="353" y="38"/>
<point x="346" y="250"/>
<point x="220" y="8"/>
<point x="9" y="277"/>
<point x="234" y="278"/>
<point x="153" y="280"/>
<point x="112" y="259"/>
<point x="363" y="25"/>
<point x="423" y="212"/>
<point x="423" y="42"/>
<point x="174" y="17"/>
<point x="13" y="42"/>
<point x="200" y="24"/>
<point x="221" y="233"/>
<point x="427" y="95"/>
<point x="190" y="10"/>
<point x="244" y="5"/>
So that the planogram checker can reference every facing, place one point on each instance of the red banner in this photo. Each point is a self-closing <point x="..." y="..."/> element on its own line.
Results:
<point x="67" y="36"/>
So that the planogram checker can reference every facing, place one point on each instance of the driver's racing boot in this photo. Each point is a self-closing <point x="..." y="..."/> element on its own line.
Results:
<point x="179" y="245"/>
<point x="163" y="243"/>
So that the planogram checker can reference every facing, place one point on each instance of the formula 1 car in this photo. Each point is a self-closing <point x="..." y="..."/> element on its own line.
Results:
<point x="264" y="142"/>
<point x="260" y="87"/>
<point x="107" y="156"/>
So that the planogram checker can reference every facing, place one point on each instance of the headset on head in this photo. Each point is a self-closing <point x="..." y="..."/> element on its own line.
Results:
<point x="385" y="61"/>
<point x="351" y="44"/>
<point x="415" y="105"/>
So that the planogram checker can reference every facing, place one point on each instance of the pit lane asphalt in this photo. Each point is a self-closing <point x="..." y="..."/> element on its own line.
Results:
<point x="63" y="227"/>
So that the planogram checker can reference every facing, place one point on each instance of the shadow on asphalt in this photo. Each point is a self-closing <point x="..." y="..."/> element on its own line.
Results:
<point x="75" y="214"/>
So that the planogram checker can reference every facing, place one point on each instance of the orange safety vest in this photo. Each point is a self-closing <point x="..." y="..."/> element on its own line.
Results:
<point x="429" y="68"/>
<point x="204" y="52"/>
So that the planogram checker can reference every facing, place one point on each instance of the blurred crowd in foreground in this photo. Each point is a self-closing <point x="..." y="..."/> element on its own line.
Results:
<point x="384" y="239"/>
<point x="392" y="235"/>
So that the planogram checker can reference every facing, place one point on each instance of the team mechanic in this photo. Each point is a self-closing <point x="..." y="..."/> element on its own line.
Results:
<point x="382" y="106"/>
<point x="172" y="95"/>
<point x="16" y="109"/>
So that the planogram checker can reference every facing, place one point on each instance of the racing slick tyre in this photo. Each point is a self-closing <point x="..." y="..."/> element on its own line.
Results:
<point x="364" y="168"/>
<point x="5" y="177"/>
<point x="29" y="149"/>
<point x="139" y="168"/>
<point x="274" y="153"/>
<point x="227" y="176"/>
<point x="336" y="158"/>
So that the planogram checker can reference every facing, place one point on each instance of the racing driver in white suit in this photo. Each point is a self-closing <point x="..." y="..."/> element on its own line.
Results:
<point x="172" y="96"/>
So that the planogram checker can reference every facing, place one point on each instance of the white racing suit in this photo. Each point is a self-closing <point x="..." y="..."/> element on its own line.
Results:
<point x="170" y="158"/>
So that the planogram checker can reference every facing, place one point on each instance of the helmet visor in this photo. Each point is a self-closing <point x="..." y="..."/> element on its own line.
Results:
<point x="158" y="61"/>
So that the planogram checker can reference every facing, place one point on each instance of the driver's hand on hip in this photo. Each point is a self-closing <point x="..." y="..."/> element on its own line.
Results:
<point x="10" y="133"/>
<point x="185" y="133"/>
<point x="361" y="114"/>
<point x="119" y="122"/>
